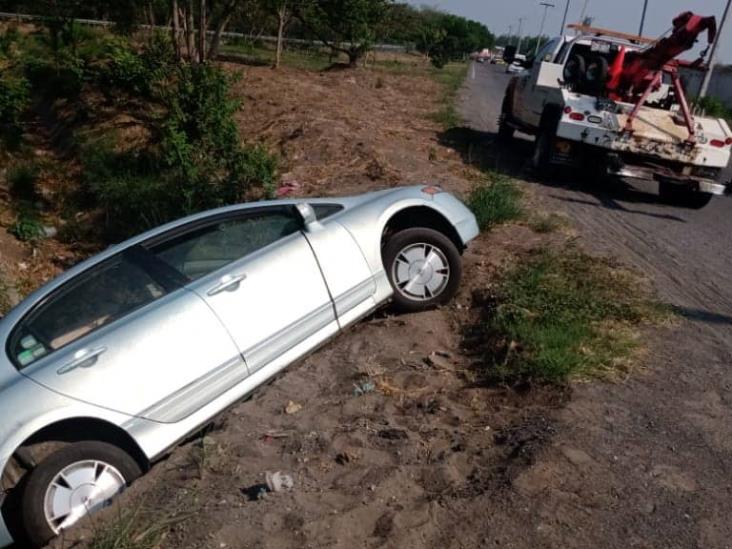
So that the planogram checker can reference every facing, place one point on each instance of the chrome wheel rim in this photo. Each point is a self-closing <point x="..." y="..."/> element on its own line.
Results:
<point x="81" y="489"/>
<point x="420" y="272"/>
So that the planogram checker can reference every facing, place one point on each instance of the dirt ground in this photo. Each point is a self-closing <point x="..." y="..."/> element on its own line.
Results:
<point x="427" y="445"/>
<point x="428" y="457"/>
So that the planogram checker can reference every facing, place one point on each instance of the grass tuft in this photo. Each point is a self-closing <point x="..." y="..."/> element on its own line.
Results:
<point x="550" y="223"/>
<point x="562" y="315"/>
<point x="496" y="201"/>
<point x="451" y="76"/>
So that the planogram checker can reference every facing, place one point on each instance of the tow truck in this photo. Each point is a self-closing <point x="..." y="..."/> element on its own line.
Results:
<point x="613" y="104"/>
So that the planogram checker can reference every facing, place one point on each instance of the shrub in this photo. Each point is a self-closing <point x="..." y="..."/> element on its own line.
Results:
<point x="27" y="227"/>
<point x="714" y="107"/>
<point x="495" y="202"/>
<point x="14" y="99"/>
<point x="22" y="181"/>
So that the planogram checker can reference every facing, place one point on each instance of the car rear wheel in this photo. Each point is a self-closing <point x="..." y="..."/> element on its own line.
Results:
<point x="76" y="481"/>
<point x="424" y="268"/>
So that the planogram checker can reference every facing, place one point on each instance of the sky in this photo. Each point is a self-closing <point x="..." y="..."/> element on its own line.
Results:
<point x="622" y="15"/>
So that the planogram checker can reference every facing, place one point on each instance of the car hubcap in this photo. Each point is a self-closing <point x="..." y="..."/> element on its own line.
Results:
<point x="421" y="272"/>
<point x="80" y="489"/>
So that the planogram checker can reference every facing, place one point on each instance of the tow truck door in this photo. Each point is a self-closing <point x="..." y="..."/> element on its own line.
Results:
<point x="536" y="87"/>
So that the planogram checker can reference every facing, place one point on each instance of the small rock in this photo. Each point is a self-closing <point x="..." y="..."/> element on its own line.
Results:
<point x="292" y="408"/>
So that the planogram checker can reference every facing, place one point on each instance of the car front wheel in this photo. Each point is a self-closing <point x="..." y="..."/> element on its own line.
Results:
<point x="424" y="268"/>
<point x="76" y="481"/>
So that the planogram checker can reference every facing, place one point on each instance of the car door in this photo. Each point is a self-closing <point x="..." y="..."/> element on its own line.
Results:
<point x="347" y="274"/>
<point x="257" y="272"/>
<point x="126" y="337"/>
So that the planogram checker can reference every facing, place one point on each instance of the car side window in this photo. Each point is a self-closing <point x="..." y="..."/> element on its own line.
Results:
<point x="104" y="294"/>
<point x="212" y="246"/>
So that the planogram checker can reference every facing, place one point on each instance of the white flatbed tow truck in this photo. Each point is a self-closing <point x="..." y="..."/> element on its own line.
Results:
<point x="613" y="104"/>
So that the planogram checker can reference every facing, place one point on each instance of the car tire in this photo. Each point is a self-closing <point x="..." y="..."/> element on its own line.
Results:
<point x="404" y="260"/>
<point x="676" y="195"/>
<point x="77" y="461"/>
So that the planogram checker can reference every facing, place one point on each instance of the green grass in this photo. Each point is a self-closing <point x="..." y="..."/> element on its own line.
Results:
<point x="495" y="201"/>
<point x="547" y="223"/>
<point x="563" y="314"/>
<point x="311" y="60"/>
<point x="451" y="77"/>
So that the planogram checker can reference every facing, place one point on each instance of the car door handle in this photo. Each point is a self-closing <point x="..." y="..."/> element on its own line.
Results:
<point x="228" y="283"/>
<point x="85" y="358"/>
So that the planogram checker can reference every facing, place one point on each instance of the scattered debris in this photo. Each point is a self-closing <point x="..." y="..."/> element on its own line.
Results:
<point x="363" y="388"/>
<point x="393" y="434"/>
<point x="345" y="457"/>
<point x="279" y="482"/>
<point x="292" y="408"/>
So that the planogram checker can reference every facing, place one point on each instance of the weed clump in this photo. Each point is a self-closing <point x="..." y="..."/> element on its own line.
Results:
<point x="564" y="314"/>
<point x="495" y="202"/>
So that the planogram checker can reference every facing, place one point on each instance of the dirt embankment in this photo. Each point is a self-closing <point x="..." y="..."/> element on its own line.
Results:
<point x="387" y="431"/>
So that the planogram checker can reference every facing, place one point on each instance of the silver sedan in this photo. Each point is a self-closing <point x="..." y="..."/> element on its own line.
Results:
<point x="109" y="366"/>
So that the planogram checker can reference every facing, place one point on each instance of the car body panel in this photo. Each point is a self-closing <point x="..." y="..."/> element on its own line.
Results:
<point x="282" y="301"/>
<point x="348" y="247"/>
<point x="150" y="354"/>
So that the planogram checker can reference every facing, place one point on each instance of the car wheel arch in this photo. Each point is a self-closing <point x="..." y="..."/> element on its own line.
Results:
<point x="420" y="216"/>
<point x="77" y="429"/>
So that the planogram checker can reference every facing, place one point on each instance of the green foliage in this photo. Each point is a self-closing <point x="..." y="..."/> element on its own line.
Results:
<point x="124" y="68"/>
<point x="564" y="314"/>
<point x="446" y="37"/>
<point x="495" y="202"/>
<point x="714" y="107"/>
<point x="346" y="26"/>
<point x="27" y="227"/>
<point x="22" y="181"/>
<point x="14" y="99"/>
<point x="199" y="162"/>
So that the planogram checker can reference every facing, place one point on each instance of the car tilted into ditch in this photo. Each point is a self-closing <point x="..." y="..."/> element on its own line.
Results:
<point x="108" y="367"/>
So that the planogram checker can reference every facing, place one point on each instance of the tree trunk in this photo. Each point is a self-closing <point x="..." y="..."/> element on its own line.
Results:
<point x="190" y="31"/>
<point x="282" y="15"/>
<point x="176" y="31"/>
<point x="202" y="32"/>
<point x="353" y="57"/>
<point x="213" y="48"/>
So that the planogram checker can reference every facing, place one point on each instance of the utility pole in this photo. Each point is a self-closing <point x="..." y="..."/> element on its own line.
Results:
<point x="546" y="5"/>
<point x="713" y="55"/>
<point x="643" y="17"/>
<point x="510" y="35"/>
<point x="518" y="45"/>
<point x="564" y="19"/>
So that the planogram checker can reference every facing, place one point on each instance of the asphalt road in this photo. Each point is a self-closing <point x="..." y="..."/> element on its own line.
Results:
<point x="646" y="462"/>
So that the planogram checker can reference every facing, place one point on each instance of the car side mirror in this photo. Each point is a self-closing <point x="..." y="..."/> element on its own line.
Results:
<point x="307" y="213"/>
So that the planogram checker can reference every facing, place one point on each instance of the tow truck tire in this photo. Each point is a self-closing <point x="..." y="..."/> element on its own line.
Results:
<point x="505" y="131"/>
<point x="676" y="195"/>
<point x="541" y="159"/>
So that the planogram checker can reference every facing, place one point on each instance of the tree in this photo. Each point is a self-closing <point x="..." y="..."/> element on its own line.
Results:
<point x="345" y="26"/>
<point x="194" y="21"/>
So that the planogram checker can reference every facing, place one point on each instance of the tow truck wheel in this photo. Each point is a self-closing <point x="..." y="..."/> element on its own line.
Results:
<point x="541" y="159"/>
<point x="505" y="132"/>
<point x="677" y="195"/>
